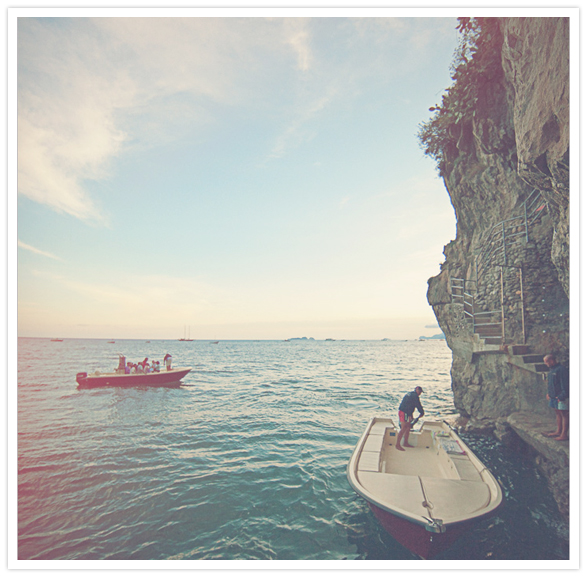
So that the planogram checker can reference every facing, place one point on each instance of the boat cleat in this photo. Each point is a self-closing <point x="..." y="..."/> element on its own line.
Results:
<point x="436" y="525"/>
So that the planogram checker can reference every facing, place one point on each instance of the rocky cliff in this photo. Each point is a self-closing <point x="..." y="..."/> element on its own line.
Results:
<point x="501" y="139"/>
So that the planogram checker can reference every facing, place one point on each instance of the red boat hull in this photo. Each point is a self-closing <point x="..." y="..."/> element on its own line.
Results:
<point x="163" y="378"/>
<point x="415" y="537"/>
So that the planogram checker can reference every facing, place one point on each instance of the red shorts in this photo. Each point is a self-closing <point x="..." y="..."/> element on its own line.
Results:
<point x="403" y="417"/>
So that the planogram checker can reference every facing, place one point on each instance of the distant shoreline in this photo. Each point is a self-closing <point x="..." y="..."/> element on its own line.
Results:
<point x="153" y="340"/>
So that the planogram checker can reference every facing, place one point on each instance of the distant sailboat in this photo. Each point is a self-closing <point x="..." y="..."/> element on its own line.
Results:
<point x="184" y="339"/>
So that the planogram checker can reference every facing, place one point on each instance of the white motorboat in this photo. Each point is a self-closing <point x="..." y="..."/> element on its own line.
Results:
<point x="425" y="496"/>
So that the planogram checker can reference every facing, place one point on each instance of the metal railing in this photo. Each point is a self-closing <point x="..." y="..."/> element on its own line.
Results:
<point x="488" y="319"/>
<point x="457" y="288"/>
<point x="495" y="246"/>
<point x="503" y="234"/>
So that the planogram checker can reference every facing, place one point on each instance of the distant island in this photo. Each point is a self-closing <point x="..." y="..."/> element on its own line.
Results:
<point x="435" y="337"/>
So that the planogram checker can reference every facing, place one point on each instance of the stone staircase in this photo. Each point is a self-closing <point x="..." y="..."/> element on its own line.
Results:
<point x="489" y="327"/>
<point x="489" y="332"/>
<point x="522" y="357"/>
<point x="518" y="355"/>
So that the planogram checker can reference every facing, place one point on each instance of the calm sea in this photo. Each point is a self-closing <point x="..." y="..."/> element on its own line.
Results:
<point x="246" y="461"/>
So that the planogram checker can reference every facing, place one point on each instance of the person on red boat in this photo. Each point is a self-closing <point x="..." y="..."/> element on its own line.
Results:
<point x="410" y="402"/>
<point x="167" y="360"/>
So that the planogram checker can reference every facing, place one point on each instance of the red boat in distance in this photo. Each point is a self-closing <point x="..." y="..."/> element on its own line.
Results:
<point x="119" y="378"/>
<point x="169" y="378"/>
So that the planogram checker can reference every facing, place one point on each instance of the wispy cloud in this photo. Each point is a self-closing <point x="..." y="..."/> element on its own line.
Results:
<point x="67" y="102"/>
<point x="91" y="89"/>
<point x="37" y="251"/>
<point x="297" y="36"/>
<point x="325" y="78"/>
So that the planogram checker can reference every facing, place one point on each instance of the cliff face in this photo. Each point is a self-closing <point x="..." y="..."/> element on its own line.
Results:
<point x="508" y="267"/>
<point x="536" y="64"/>
<point x="502" y="296"/>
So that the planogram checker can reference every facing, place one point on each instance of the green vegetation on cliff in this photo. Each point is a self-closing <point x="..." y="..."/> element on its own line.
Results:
<point x="476" y="63"/>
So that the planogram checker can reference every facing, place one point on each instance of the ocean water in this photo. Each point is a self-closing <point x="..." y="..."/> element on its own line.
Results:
<point x="245" y="461"/>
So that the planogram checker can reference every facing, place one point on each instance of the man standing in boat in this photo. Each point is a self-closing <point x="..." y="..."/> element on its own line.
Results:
<point x="406" y="410"/>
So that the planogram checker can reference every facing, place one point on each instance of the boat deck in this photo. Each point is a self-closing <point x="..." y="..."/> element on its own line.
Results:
<point x="417" y="461"/>
<point x="431" y="457"/>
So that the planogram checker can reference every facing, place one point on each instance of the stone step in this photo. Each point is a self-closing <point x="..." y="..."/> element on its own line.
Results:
<point x="536" y="367"/>
<point x="492" y="341"/>
<point x="488" y="330"/>
<point x="532" y="359"/>
<point x="519" y="350"/>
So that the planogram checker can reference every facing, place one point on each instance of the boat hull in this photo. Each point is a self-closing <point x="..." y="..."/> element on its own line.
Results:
<point x="166" y="378"/>
<point x="415" y="537"/>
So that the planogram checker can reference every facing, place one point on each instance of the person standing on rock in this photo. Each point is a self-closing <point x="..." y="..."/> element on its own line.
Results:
<point x="410" y="402"/>
<point x="558" y="397"/>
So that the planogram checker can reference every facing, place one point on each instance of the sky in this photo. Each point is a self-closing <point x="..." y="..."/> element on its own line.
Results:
<point x="237" y="177"/>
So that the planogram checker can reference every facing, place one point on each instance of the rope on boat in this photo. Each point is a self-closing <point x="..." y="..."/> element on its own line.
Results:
<point x="435" y="525"/>
<point x="426" y="504"/>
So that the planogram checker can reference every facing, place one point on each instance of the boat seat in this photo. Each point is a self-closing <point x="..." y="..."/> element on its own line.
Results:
<point x="371" y="455"/>
<point x="369" y="462"/>
<point x="455" y="499"/>
<point x="466" y="469"/>
<point x="379" y="428"/>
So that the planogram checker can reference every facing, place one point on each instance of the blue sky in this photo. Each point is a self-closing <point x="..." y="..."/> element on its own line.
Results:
<point x="246" y="177"/>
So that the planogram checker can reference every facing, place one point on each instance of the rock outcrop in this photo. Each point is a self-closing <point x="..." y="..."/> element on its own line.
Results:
<point x="502" y="296"/>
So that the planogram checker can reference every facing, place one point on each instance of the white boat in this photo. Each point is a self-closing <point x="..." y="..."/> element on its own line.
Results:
<point x="425" y="496"/>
